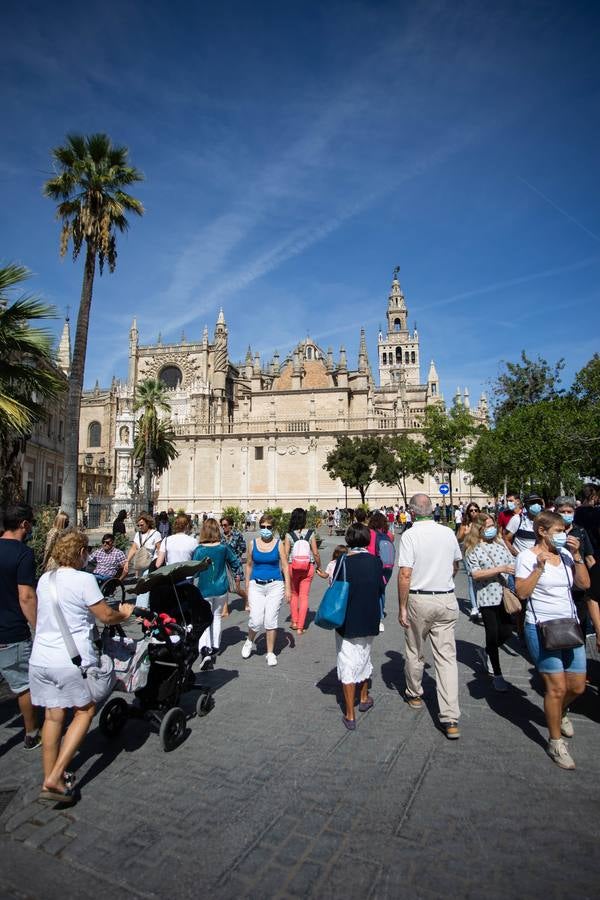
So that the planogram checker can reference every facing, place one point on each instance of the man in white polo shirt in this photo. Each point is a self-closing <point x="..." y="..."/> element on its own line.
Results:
<point x="428" y="561"/>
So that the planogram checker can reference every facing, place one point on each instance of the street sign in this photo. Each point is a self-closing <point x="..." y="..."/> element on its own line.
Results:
<point x="444" y="489"/>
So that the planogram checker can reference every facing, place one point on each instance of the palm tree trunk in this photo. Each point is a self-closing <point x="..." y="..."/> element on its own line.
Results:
<point x="71" y="459"/>
<point x="147" y="475"/>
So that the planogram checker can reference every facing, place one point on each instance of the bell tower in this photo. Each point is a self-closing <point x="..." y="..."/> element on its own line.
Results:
<point x="399" y="349"/>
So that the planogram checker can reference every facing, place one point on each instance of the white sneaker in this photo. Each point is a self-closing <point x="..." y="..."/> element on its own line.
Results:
<point x="566" y="727"/>
<point x="271" y="659"/>
<point x="381" y="626"/>
<point x="558" y="753"/>
<point x="485" y="661"/>
<point x="500" y="684"/>
<point x="247" y="649"/>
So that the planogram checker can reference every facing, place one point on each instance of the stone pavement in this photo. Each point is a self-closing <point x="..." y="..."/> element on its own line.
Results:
<point x="270" y="797"/>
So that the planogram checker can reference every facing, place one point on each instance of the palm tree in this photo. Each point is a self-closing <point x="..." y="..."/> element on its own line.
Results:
<point x="152" y="431"/>
<point x="28" y="378"/>
<point x="92" y="206"/>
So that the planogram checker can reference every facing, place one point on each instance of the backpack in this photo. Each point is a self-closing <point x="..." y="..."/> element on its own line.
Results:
<point x="300" y="555"/>
<point x="386" y="552"/>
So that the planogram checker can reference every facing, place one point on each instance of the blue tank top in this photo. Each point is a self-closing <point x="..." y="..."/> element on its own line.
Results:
<point x="265" y="566"/>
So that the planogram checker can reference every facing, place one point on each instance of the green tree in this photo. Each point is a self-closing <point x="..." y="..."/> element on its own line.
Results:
<point x="154" y="439"/>
<point x="489" y="462"/>
<point x="401" y="458"/>
<point x="354" y="462"/>
<point x="526" y="382"/>
<point x="29" y="381"/>
<point x="586" y="385"/>
<point x="89" y="188"/>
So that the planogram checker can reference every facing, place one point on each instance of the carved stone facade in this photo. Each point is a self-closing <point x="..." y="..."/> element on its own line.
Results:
<point x="257" y="433"/>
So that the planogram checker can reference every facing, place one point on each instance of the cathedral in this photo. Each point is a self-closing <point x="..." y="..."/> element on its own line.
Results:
<point x="256" y="433"/>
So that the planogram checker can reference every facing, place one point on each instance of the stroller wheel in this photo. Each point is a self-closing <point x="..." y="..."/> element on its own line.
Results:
<point x="172" y="728"/>
<point x="205" y="704"/>
<point x="113" y="717"/>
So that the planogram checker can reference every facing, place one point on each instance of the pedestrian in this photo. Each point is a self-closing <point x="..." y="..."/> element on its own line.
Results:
<point x="428" y="561"/>
<point x="437" y="513"/>
<point x="18" y="606"/>
<point x="508" y="510"/>
<point x="108" y="559"/>
<point x="488" y="563"/>
<point x="519" y="531"/>
<point x="544" y="576"/>
<point x="381" y="544"/>
<point x="268" y="579"/>
<point x="587" y="514"/>
<point x="330" y="521"/>
<point x="119" y="523"/>
<point x="179" y="546"/>
<point x="462" y="531"/>
<point x="56" y="683"/>
<point x="364" y="572"/>
<point x="458" y="517"/>
<point x="213" y="585"/>
<point x="145" y="546"/>
<point x="234" y="539"/>
<point x="61" y="522"/>
<point x="330" y="567"/>
<point x="302" y="553"/>
<point x="565" y="507"/>
<point x="163" y="525"/>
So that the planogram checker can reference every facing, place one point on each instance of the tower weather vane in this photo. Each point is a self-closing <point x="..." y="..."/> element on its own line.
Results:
<point x="396" y="270"/>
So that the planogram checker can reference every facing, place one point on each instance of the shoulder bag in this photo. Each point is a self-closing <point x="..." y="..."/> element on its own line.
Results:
<point x="143" y="557"/>
<point x="100" y="678"/>
<point x="560" y="634"/>
<point x="332" y="609"/>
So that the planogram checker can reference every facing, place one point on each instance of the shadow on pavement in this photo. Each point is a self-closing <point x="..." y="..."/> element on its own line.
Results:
<point x="231" y="636"/>
<point x="329" y="684"/>
<point x="392" y="672"/>
<point x="133" y="736"/>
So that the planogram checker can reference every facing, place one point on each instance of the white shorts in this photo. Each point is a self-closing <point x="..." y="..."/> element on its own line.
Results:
<point x="58" y="688"/>
<point x="353" y="659"/>
<point x="264" y="601"/>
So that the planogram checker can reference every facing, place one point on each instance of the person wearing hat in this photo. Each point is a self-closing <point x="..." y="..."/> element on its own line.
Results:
<point x="519" y="531"/>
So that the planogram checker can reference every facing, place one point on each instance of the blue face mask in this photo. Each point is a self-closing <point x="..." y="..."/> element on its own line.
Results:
<point x="490" y="533"/>
<point x="559" y="540"/>
<point x="266" y="533"/>
<point x="511" y="505"/>
<point x="535" y="509"/>
<point x="567" y="518"/>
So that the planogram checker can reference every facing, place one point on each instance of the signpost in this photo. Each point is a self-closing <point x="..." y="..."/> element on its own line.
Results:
<point x="444" y="489"/>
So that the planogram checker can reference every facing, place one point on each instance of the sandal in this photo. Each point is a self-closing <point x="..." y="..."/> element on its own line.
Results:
<point x="364" y="707"/>
<point x="350" y="724"/>
<point x="55" y="796"/>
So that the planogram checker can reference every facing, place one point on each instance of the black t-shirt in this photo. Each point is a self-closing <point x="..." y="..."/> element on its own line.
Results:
<point x="588" y="517"/>
<point x="585" y="549"/>
<point x="364" y="572"/>
<point x="17" y="566"/>
<point x="119" y="527"/>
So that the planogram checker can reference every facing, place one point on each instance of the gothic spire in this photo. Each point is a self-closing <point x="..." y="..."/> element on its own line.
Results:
<point x="64" y="348"/>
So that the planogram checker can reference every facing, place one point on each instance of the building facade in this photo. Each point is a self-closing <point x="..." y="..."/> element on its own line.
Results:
<point x="256" y="433"/>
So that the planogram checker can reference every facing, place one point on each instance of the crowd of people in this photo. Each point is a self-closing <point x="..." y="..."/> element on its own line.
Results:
<point x="542" y="556"/>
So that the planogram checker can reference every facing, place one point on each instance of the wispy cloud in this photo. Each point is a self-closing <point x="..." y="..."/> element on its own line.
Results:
<point x="559" y="209"/>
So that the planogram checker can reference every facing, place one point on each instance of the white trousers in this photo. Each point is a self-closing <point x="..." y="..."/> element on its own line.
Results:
<point x="264" y="601"/>
<point x="212" y="635"/>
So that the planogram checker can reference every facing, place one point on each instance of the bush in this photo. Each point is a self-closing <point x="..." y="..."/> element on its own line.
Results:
<point x="280" y="519"/>
<point x="238" y="516"/>
<point x="122" y="542"/>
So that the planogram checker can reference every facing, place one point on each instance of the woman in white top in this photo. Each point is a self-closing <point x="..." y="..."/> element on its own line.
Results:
<point x="146" y="538"/>
<point x="179" y="546"/>
<point x="55" y="682"/>
<point x="544" y="577"/>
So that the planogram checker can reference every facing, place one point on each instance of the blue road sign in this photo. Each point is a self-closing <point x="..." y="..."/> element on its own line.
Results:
<point x="444" y="489"/>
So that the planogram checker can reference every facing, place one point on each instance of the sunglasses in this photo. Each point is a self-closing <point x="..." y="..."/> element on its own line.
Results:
<point x="225" y="525"/>
<point x="107" y="542"/>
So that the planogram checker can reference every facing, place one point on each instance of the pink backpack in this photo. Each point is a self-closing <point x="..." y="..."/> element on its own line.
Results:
<point x="300" y="555"/>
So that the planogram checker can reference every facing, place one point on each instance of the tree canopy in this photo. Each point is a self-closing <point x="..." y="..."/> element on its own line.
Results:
<point x="525" y="382"/>
<point x="354" y="461"/>
<point x="400" y="458"/>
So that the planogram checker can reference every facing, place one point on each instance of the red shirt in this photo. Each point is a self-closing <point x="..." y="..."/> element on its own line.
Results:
<point x="504" y="518"/>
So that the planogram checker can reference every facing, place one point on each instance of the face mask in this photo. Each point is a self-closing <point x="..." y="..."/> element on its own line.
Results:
<point x="266" y="533"/>
<point x="490" y="533"/>
<point x="511" y="505"/>
<point x="559" y="540"/>
<point x="535" y="509"/>
<point x="567" y="518"/>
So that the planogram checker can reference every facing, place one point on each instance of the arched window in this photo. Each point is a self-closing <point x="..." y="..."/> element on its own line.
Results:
<point x="413" y="357"/>
<point x="171" y="376"/>
<point x="406" y="357"/>
<point x="309" y="352"/>
<point x="384" y="359"/>
<point x="397" y="324"/>
<point x="433" y="389"/>
<point x="398" y="355"/>
<point x="94" y="434"/>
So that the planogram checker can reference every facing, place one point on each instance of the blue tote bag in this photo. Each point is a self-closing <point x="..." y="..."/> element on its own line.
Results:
<point x="332" y="609"/>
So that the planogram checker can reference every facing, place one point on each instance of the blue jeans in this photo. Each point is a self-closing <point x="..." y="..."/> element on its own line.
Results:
<point x="472" y="596"/>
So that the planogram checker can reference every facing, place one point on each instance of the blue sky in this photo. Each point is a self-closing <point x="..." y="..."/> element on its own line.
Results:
<point x="295" y="152"/>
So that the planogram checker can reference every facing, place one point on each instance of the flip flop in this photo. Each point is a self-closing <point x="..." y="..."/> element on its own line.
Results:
<point x="54" y="796"/>
<point x="363" y="707"/>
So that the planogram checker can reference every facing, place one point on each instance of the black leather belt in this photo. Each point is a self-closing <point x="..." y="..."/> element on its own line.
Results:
<point x="268" y="581"/>
<point x="431" y="592"/>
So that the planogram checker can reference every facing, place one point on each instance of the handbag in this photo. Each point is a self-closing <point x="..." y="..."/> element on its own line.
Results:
<point x="231" y="585"/>
<point x="510" y="601"/>
<point x="100" y="678"/>
<point x="560" y="634"/>
<point x="142" y="557"/>
<point x="332" y="609"/>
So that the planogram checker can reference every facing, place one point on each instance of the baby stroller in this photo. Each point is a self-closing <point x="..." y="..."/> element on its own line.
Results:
<point x="159" y="668"/>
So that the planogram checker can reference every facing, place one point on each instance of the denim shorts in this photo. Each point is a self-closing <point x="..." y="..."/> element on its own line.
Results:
<point x="14" y="665"/>
<point x="552" y="662"/>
